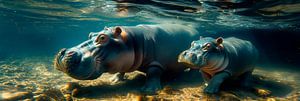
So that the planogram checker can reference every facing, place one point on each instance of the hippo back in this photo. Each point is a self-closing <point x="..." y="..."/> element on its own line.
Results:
<point x="242" y="55"/>
<point x="163" y="43"/>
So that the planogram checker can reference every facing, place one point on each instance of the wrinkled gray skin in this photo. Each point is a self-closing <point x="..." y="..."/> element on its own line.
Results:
<point x="221" y="59"/>
<point x="152" y="49"/>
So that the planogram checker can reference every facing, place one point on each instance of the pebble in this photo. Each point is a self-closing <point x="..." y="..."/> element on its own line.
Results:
<point x="75" y="92"/>
<point x="43" y="97"/>
<point x="12" y="96"/>
<point x="271" y="99"/>
<point x="28" y="100"/>
<point x="150" y="98"/>
<point x="68" y="97"/>
<point x="263" y="92"/>
<point x="139" y="98"/>
<point x="229" y="97"/>
<point x="69" y="87"/>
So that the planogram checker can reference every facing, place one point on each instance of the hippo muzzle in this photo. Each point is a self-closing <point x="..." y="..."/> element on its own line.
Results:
<point x="72" y="62"/>
<point x="192" y="58"/>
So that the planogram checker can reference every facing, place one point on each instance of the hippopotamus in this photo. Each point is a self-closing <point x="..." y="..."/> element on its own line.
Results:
<point x="151" y="49"/>
<point x="221" y="60"/>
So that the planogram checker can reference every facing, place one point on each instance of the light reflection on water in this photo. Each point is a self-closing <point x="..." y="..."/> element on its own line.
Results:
<point x="208" y="10"/>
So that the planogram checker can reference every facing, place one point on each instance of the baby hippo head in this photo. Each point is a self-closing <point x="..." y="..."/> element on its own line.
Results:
<point x="202" y="52"/>
<point x="103" y="51"/>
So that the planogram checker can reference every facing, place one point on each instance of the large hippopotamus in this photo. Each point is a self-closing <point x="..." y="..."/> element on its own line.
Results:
<point x="221" y="60"/>
<point x="152" y="49"/>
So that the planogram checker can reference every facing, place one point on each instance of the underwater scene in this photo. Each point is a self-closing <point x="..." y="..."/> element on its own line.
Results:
<point x="150" y="50"/>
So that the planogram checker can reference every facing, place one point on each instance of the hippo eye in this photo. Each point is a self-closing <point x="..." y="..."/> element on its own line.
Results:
<point x="101" y="39"/>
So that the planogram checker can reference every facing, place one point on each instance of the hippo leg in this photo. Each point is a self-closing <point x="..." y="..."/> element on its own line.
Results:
<point x="152" y="84"/>
<point x="215" y="82"/>
<point x="117" y="77"/>
<point x="205" y="76"/>
<point x="246" y="80"/>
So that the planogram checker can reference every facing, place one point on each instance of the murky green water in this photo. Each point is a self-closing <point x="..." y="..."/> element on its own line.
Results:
<point x="32" y="31"/>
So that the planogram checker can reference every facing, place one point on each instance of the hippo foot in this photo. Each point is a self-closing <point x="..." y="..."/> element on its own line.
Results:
<point x="152" y="84"/>
<point x="151" y="87"/>
<point x="117" y="78"/>
<point x="211" y="89"/>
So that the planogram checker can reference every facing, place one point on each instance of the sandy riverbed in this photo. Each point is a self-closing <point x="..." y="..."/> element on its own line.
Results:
<point x="34" y="78"/>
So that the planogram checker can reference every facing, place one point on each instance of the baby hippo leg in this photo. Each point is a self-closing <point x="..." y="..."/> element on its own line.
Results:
<point x="152" y="84"/>
<point x="205" y="76"/>
<point x="215" y="83"/>
<point x="246" y="80"/>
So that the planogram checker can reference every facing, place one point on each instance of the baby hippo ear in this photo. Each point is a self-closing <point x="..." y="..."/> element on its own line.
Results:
<point x="117" y="31"/>
<point x="200" y="37"/>
<point x="219" y="41"/>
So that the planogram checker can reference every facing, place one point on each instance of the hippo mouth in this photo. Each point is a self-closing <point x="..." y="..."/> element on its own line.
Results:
<point x="67" y="61"/>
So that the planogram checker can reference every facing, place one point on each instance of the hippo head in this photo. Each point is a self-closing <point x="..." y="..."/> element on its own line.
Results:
<point x="104" y="51"/>
<point x="202" y="52"/>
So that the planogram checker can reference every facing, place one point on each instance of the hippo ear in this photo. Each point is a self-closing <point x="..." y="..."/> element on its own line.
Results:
<point x="117" y="31"/>
<point x="219" y="41"/>
<point x="201" y="37"/>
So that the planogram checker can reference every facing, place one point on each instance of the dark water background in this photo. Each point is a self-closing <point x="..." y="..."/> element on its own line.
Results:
<point x="41" y="27"/>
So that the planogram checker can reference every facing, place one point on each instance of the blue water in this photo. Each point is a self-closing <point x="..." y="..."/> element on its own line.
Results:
<point x="44" y="26"/>
<point x="39" y="28"/>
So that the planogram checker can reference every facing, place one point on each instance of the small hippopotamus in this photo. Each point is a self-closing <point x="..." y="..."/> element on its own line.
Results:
<point x="221" y="60"/>
<point x="152" y="49"/>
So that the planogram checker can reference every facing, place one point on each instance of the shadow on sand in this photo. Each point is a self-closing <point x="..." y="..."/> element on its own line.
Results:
<point x="185" y="80"/>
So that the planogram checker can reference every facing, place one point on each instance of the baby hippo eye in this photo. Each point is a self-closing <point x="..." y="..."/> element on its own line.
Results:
<point x="206" y="47"/>
<point x="90" y="35"/>
<point x="101" y="39"/>
<point x="193" y="44"/>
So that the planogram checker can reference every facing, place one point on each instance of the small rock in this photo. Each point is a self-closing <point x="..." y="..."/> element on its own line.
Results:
<point x="12" y="96"/>
<point x="229" y="97"/>
<point x="263" y="92"/>
<point x="7" y="83"/>
<point x="69" y="87"/>
<point x="28" y="100"/>
<point x="43" y="97"/>
<point x="139" y="98"/>
<point x="68" y="97"/>
<point x="271" y="99"/>
<point x="75" y="92"/>
<point x="169" y="90"/>
<point x="150" y="98"/>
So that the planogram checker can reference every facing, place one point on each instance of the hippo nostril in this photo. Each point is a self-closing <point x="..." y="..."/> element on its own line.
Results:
<point x="62" y="51"/>
<point x="69" y="61"/>
<point x="72" y="56"/>
<point x="192" y="56"/>
<point x="184" y="53"/>
<point x="71" y="53"/>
